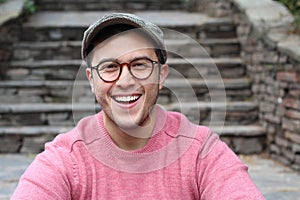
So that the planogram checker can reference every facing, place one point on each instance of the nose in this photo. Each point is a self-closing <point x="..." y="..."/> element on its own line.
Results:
<point x="126" y="79"/>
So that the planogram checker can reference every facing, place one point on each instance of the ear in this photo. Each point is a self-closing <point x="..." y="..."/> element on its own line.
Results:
<point x="164" y="70"/>
<point x="89" y="75"/>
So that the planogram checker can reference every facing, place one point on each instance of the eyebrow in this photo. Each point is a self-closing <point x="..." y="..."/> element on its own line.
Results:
<point x="118" y="61"/>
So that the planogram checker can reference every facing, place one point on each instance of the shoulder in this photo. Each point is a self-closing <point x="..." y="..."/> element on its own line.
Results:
<point x="179" y="125"/>
<point x="66" y="141"/>
<point x="201" y="138"/>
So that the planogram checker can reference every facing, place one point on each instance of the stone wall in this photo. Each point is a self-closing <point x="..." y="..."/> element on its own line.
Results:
<point x="272" y="55"/>
<point x="10" y="29"/>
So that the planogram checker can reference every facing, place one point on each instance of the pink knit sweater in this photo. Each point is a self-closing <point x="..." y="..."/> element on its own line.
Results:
<point x="180" y="161"/>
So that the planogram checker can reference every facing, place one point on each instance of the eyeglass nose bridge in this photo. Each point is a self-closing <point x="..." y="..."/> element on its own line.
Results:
<point x="125" y="64"/>
<point x="122" y="65"/>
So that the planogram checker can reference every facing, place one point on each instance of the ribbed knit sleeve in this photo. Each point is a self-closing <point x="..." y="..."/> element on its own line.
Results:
<point x="222" y="175"/>
<point x="49" y="177"/>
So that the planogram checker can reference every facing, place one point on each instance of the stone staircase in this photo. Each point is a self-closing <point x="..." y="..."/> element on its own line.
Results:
<point x="83" y="5"/>
<point x="45" y="92"/>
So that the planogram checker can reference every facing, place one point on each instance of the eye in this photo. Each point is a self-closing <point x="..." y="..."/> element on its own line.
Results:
<point x="109" y="67"/>
<point x="140" y="64"/>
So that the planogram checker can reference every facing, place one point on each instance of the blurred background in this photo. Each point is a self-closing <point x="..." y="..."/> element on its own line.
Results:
<point x="234" y="67"/>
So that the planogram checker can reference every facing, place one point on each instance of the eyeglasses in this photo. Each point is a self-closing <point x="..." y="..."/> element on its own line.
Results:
<point x="110" y="71"/>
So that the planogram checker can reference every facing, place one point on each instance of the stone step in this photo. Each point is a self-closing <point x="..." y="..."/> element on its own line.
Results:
<point x="121" y="5"/>
<point x="56" y="114"/>
<point x="70" y="25"/>
<point x="65" y="50"/>
<point x="210" y="47"/>
<point x="31" y="139"/>
<point x="67" y="69"/>
<point x="38" y="91"/>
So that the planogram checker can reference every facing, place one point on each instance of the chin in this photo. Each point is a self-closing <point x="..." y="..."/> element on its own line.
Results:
<point x="127" y="125"/>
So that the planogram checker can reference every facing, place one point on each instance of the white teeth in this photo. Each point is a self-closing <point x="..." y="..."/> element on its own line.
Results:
<point x="126" y="98"/>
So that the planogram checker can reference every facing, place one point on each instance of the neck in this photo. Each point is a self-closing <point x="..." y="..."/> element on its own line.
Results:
<point x="131" y="139"/>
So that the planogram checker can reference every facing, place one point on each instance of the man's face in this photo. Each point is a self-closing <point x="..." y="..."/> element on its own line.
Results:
<point x="127" y="102"/>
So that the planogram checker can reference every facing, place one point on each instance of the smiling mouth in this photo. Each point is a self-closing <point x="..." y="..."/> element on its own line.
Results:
<point x="126" y="99"/>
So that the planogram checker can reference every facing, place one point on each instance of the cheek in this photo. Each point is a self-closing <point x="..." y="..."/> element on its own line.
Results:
<point x="100" y="89"/>
<point x="153" y="79"/>
<point x="151" y="90"/>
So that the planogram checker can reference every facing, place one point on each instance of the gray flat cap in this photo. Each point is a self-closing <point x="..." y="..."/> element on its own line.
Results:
<point x="152" y="30"/>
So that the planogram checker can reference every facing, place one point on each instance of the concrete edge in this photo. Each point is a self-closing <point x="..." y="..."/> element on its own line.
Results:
<point x="271" y="21"/>
<point x="10" y="9"/>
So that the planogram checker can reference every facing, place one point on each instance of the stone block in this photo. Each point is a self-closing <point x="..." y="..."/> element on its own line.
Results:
<point x="228" y="141"/>
<point x="244" y="29"/>
<point x="17" y="73"/>
<point x="272" y="118"/>
<point x="281" y="159"/>
<point x="226" y="49"/>
<point x="270" y="138"/>
<point x="24" y="119"/>
<point x="274" y="149"/>
<point x="32" y="91"/>
<point x="282" y="142"/>
<point x="255" y="88"/>
<point x="293" y="114"/>
<point x="8" y="99"/>
<point x="248" y="145"/>
<point x="295" y="93"/>
<point x="291" y="103"/>
<point x="267" y="107"/>
<point x="10" y="143"/>
<point x="290" y="124"/>
<point x="282" y="58"/>
<point x="288" y="154"/>
<point x="5" y="54"/>
<point x="297" y="159"/>
<point x="293" y="136"/>
<point x="271" y="129"/>
<point x="295" y="167"/>
<point x="270" y="57"/>
<point x="35" y="144"/>
<point x="63" y="92"/>
<point x="288" y="76"/>
<point x="59" y="119"/>
<point x="272" y="99"/>
<point x="21" y="54"/>
<point x="68" y="74"/>
<point x="271" y="89"/>
<point x="163" y="99"/>
<point x="257" y="57"/>
<point x="262" y="88"/>
<point x="137" y="6"/>
<point x="55" y="34"/>
<point x="296" y="148"/>
<point x="8" y="91"/>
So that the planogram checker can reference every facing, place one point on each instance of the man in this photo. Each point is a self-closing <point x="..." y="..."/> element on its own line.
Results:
<point x="133" y="149"/>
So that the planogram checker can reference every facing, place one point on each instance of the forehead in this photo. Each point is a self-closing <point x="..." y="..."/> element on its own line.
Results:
<point x="129" y="42"/>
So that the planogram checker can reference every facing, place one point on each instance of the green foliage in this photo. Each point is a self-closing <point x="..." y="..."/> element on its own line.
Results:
<point x="30" y="7"/>
<point x="294" y="7"/>
<point x="2" y="1"/>
<point x="296" y="24"/>
<point x="188" y="4"/>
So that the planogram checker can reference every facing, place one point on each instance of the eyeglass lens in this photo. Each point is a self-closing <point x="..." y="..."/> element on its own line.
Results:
<point x="139" y="68"/>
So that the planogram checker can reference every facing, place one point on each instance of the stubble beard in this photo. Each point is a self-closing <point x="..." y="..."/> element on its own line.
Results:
<point x="143" y="118"/>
